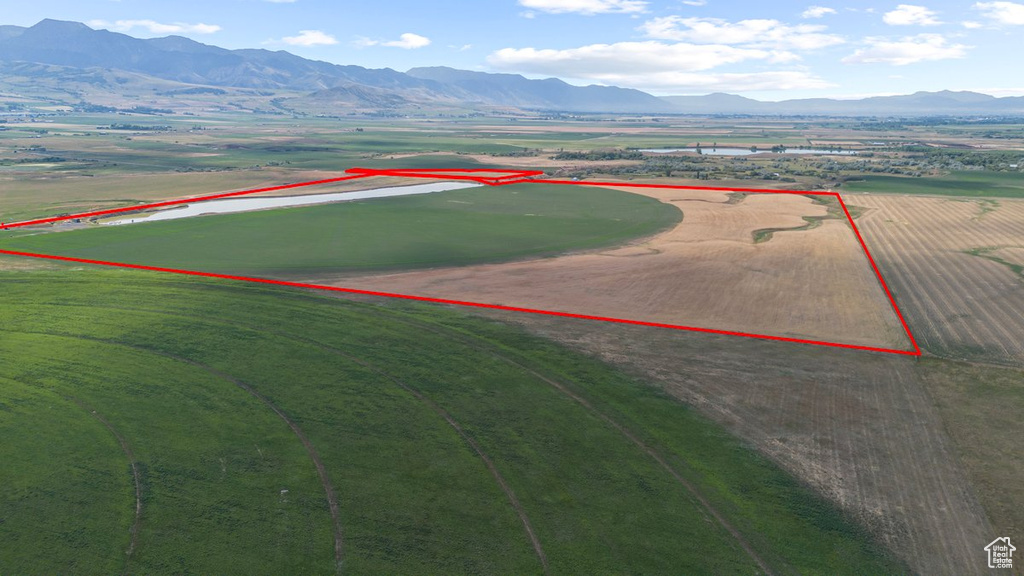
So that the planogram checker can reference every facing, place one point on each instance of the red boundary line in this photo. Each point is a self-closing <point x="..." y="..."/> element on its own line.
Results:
<point x="175" y="202"/>
<point x="477" y="175"/>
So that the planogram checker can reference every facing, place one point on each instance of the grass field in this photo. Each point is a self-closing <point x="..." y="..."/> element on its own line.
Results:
<point x="971" y="184"/>
<point x="441" y="229"/>
<point x="439" y="438"/>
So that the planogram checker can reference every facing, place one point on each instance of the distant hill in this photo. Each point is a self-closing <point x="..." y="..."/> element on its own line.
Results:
<point x="64" y="55"/>
<point x="77" y="46"/>
<point x="944" y="102"/>
<point x="73" y="44"/>
<point x="550" y="94"/>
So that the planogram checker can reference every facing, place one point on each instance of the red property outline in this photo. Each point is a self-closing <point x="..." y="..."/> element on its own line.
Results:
<point x="488" y="177"/>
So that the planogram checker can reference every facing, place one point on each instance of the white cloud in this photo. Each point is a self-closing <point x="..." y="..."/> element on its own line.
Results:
<point x="817" y="12"/>
<point x="907" y="50"/>
<point x="588" y="7"/>
<point x="600" y="60"/>
<point x="688" y="83"/>
<point x="1009" y="13"/>
<point x="155" y="27"/>
<point x="755" y="33"/>
<point x="971" y="25"/>
<point x="910" y="15"/>
<point x="408" y="41"/>
<point x="695" y="2"/>
<point x="310" y="38"/>
<point x="665" y="68"/>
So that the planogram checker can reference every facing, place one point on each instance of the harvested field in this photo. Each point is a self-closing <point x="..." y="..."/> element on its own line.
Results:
<point x="954" y="266"/>
<point x="980" y="407"/>
<point x="860" y="428"/>
<point x="706" y="272"/>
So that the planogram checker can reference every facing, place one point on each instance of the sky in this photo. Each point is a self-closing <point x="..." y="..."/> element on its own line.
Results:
<point x="767" y="50"/>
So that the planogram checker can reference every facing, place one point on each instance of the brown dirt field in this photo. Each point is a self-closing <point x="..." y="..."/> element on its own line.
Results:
<point x="960" y="305"/>
<point x="706" y="272"/>
<point x="859" y="427"/>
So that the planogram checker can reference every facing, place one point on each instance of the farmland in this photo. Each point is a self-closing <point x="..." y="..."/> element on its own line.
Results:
<point x="628" y="245"/>
<point x="943" y="257"/>
<point x="963" y="184"/>
<point x="384" y="438"/>
<point x="70" y="162"/>
<point x="708" y="271"/>
<point x="920" y="454"/>
<point x="451" y="228"/>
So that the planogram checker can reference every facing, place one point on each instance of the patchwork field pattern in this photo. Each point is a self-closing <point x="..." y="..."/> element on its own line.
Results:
<point x="736" y="266"/>
<point x="861" y="429"/>
<point x="956" y="265"/>
<point x="807" y="279"/>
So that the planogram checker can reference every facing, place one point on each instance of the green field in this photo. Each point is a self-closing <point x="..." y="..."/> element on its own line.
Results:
<point x="209" y="389"/>
<point x="452" y="228"/>
<point x="971" y="184"/>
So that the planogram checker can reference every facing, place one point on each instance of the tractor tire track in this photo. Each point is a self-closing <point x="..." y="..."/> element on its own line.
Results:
<point x="136" y="476"/>
<point x="325" y="481"/>
<point x="126" y="449"/>
<point x="488" y="463"/>
<point x="654" y="454"/>
<point x="332" y="499"/>
<point x="401" y="317"/>
<point x="502" y="483"/>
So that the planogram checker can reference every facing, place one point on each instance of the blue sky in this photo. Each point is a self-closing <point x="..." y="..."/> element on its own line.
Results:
<point x="766" y="50"/>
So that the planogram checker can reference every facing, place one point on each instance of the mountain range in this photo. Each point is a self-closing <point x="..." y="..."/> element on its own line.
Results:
<point x="940" y="103"/>
<point x="54" y="48"/>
